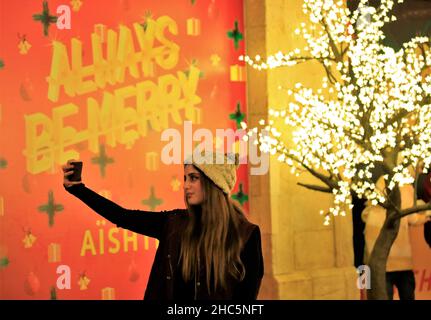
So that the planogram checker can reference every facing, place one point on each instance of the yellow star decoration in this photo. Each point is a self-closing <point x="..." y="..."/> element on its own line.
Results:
<point x="215" y="59"/>
<point x="83" y="282"/>
<point x="24" y="46"/>
<point x="28" y="240"/>
<point x="76" y="5"/>
<point x="175" y="184"/>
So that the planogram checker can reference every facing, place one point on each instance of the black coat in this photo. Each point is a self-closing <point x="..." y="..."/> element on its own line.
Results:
<point x="165" y="281"/>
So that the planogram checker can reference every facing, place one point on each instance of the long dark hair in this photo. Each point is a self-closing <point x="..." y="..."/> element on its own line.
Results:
<point x="212" y="236"/>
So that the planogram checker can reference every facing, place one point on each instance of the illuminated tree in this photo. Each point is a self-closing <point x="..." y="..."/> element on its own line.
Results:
<point x="373" y="108"/>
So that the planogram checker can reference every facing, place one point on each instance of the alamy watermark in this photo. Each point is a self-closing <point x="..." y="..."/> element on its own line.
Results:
<point x="64" y="278"/>
<point x="64" y="20"/>
<point x="63" y="281"/>
<point x="248" y="150"/>
<point x="364" y="277"/>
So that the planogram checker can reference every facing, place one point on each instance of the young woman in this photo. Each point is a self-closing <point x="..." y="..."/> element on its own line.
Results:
<point x="208" y="251"/>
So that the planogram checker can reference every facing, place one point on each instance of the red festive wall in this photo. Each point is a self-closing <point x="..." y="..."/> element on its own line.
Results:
<point x="103" y="91"/>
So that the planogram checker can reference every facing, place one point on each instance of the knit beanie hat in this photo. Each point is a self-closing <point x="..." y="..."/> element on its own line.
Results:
<point x="218" y="167"/>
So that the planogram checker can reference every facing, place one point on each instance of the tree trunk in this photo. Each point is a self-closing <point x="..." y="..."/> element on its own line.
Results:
<point x="379" y="255"/>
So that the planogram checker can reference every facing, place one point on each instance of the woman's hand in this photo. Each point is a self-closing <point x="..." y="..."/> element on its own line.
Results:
<point x="67" y="172"/>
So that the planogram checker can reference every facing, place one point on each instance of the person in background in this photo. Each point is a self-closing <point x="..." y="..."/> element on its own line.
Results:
<point x="399" y="267"/>
<point x="424" y="193"/>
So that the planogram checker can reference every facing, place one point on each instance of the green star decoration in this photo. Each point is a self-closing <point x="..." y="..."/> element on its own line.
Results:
<point x="1" y="64"/>
<point x="235" y="35"/>
<point x="102" y="160"/>
<point x="152" y="201"/>
<point x="4" y="262"/>
<point x="238" y="116"/>
<point x="193" y="2"/>
<point x="51" y="208"/>
<point x="45" y="18"/>
<point x="3" y="163"/>
<point x="240" y="196"/>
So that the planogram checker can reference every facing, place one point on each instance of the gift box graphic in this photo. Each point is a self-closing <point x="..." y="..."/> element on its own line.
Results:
<point x="54" y="252"/>
<point x="237" y="73"/>
<point x="193" y="27"/>
<point x="108" y="293"/>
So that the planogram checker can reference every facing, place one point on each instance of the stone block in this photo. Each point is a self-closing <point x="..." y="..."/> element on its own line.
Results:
<point x="314" y="249"/>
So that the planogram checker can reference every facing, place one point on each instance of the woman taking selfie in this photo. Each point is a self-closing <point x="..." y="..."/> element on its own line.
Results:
<point x="208" y="251"/>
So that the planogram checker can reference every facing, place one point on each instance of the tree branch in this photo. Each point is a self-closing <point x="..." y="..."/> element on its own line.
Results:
<point x="397" y="117"/>
<point x="331" y="41"/>
<point x="412" y="210"/>
<point x="326" y="180"/>
<point x="315" y="188"/>
<point x="330" y="183"/>
<point x="348" y="133"/>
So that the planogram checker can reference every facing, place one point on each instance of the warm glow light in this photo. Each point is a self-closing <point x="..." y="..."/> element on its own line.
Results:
<point x="373" y="104"/>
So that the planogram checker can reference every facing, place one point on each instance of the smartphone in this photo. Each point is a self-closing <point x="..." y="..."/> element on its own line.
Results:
<point x="77" y="170"/>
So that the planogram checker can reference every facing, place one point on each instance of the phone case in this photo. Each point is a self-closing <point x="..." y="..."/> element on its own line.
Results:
<point x="77" y="170"/>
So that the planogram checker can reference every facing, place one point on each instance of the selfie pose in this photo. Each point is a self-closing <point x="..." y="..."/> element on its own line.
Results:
<point x="208" y="251"/>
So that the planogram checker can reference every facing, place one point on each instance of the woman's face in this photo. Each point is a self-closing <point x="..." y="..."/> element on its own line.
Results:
<point x="193" y="185"/>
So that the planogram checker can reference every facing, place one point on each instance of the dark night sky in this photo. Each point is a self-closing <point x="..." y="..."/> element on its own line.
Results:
<point x="413" y="18"/>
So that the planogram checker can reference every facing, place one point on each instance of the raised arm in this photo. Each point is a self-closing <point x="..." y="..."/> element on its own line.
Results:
<point x="144" y="222"/>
